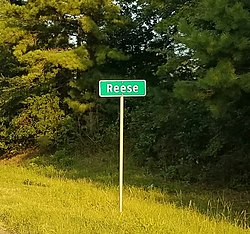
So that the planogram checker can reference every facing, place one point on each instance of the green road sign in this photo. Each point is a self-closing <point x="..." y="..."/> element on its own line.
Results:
<point x="122" y="88"/>
<point x="118" y="88"/>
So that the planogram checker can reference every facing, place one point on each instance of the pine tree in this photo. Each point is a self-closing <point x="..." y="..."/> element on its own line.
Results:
<point x="54" y="49"/>
<point x="208" y="63"/>
<point x="215" y="37"/>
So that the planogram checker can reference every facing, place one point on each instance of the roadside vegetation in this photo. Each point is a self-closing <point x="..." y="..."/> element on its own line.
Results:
<point x="186" y="142"/>
<point x="41" y="194"/>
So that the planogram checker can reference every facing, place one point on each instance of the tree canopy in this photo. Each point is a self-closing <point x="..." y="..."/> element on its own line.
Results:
<point x="195" y="56"/>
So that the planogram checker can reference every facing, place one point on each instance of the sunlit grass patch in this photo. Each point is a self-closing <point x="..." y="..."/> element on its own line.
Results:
<point x="30" y="202"/>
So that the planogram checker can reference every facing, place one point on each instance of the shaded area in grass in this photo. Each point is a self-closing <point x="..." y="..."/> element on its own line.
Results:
<point x="102" y="168"/>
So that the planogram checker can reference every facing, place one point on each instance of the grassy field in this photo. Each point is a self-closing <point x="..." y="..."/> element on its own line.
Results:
<point x="46" y="199"/>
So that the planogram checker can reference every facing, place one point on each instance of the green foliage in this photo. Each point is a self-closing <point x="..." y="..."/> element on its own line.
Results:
<point x="193" y="54"/>
<point x="208" y="63"/>
<point x="175" y="140"/>
<point x="38" y="120"/>
<point x="218" y="37"/>
<point x="54" y="49"/>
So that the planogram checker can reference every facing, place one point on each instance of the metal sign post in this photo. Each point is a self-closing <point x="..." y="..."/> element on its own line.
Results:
<point x="121" y="148"/>
<point x="122" y="88"/>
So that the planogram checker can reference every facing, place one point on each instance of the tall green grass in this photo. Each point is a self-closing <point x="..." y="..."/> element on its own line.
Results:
<point x="31" y="202"/>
